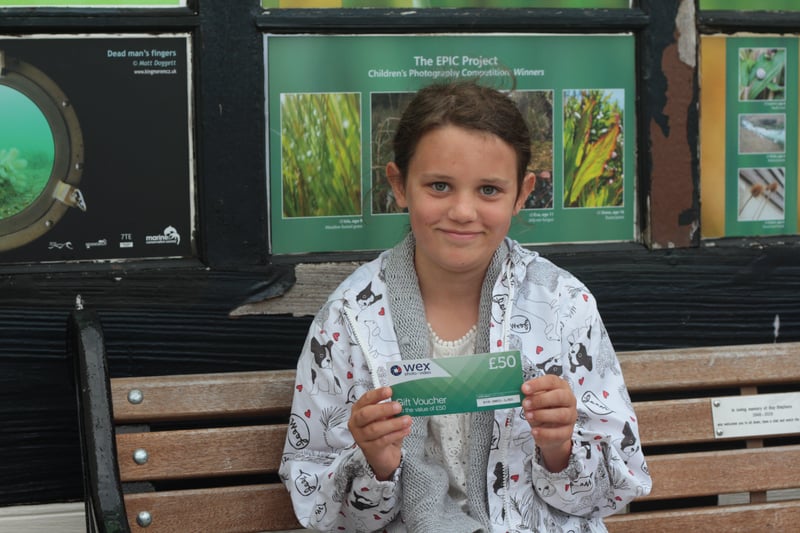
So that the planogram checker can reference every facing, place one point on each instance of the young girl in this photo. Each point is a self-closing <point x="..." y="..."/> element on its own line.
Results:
<point x="457" y="285"/>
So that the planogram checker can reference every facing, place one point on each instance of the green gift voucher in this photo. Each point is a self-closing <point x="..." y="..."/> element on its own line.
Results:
<point x="463" y="384"/>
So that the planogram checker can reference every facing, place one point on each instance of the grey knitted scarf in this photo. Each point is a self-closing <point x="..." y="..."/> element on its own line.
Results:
<point x="426" y="505"/>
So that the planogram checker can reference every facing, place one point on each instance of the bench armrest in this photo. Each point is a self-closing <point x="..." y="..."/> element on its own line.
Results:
<point x="105" y="508"/>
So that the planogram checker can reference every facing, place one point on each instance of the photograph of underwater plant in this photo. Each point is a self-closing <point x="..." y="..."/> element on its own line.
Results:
<point x="321" y="154"/>
<point x="26" y="152"/>
<point x="593" y="144"/>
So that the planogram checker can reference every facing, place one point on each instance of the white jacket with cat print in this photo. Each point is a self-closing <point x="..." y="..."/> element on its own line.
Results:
<point x="536" y="307"/>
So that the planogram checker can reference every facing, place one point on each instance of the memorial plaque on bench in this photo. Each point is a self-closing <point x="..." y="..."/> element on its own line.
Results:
<point x="756" y="415"/>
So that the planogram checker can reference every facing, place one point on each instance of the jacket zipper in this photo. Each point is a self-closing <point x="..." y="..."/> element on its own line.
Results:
<point x="505" y="440"/>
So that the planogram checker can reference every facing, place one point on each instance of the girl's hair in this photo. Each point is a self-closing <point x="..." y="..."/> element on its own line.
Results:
<point x="468" y="105"/>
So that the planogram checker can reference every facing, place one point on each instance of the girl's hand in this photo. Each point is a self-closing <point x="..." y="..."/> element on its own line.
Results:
<point x="378" y="432"/>
<point x="550" y="408"/>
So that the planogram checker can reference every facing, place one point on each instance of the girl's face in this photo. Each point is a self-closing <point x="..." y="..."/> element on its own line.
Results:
<point x="461" y="193"/>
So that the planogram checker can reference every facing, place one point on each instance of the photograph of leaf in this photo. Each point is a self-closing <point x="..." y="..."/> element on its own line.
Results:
<point x="386" y="109"/>
<point x="321" y="154"/>
<point x="593" y="147"/>
<point x="762" y="73"/>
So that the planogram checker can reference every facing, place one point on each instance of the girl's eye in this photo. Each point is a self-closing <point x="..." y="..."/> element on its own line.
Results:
<point x="439" y="186"/>
<point x="489" y="190"/>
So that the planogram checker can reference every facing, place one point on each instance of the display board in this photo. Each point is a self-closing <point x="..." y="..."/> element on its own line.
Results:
<point x="96" y="148"/>
<point x="750" y="5"/>
<point x="330" y="126"/>
<point x="423" y="4"/>
<point x="93" y="3"/>
<point x="748" y="135"/>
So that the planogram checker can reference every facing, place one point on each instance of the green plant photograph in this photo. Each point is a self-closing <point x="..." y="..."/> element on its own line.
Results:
<point x="762" y="73"/>
<point x="321" y="154"/>
<point x="593" y="148"/>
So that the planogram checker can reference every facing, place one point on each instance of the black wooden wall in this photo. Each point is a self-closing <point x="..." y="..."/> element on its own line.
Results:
<point x="167" y="317"/>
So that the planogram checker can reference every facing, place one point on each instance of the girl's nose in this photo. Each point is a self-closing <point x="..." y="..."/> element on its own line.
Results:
<point x="463" y="208"/>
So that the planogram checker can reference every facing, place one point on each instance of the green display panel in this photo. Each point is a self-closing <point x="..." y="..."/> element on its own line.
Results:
<point x="749" y="136"/>
<point x="750" y="5"/>
<point x="330" y="125"/>
<point x="93" y="3"/>
<point x="422" y="4"/>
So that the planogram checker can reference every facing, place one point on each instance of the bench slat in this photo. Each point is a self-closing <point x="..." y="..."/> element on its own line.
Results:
<point x="238" y="509"/>
<point x="711" y="367"/>
<point x="686" y="421"/>
<point x="674" y="421"/>
<point x="779" y="516"/>
<point x="724" y="472"/>
<point x="194" y="396"/>
<point x="192" y="453"/>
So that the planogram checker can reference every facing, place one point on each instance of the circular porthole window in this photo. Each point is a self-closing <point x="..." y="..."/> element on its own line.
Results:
<point x="41" y="154"/>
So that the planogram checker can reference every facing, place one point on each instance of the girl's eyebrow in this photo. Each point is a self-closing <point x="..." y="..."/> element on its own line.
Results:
<point x="437" y="175"/>
<point x="491" y="180"/>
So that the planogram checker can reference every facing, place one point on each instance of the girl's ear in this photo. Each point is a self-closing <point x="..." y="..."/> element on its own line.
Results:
<point x="398" y="186"/>
<point x="528" y="182"/>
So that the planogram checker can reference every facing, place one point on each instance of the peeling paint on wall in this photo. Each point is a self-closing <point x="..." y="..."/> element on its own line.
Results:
<point x="687" y="33"/>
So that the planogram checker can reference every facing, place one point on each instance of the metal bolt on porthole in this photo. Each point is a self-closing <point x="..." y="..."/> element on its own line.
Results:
<point x="140" y="456"/>
<point x="135" y="396"/>
<point x="144" y="519"/>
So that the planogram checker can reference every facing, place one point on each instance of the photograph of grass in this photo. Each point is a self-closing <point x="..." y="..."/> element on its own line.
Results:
<point x="763" y="133"/>
<point x="321" y="154"/>
<point x="762" y="73"/>
<point x="761" y="194"/>
<point x="593" y="147"/>
<point x="386" y="109"/>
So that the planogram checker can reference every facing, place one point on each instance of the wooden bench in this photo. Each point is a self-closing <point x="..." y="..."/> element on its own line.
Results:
<point x="201" y="452"/>
<point x="179" y="453"/>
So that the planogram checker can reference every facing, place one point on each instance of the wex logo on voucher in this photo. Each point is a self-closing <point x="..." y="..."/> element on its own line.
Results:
<point x="409" y="370"/>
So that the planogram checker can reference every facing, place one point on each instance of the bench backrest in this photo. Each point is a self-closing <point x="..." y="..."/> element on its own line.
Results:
<point x="209" y="445"/>
<point x="695" y="464"/>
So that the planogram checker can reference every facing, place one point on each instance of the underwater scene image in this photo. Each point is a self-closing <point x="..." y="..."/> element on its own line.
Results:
<point x="27" y="152"/>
